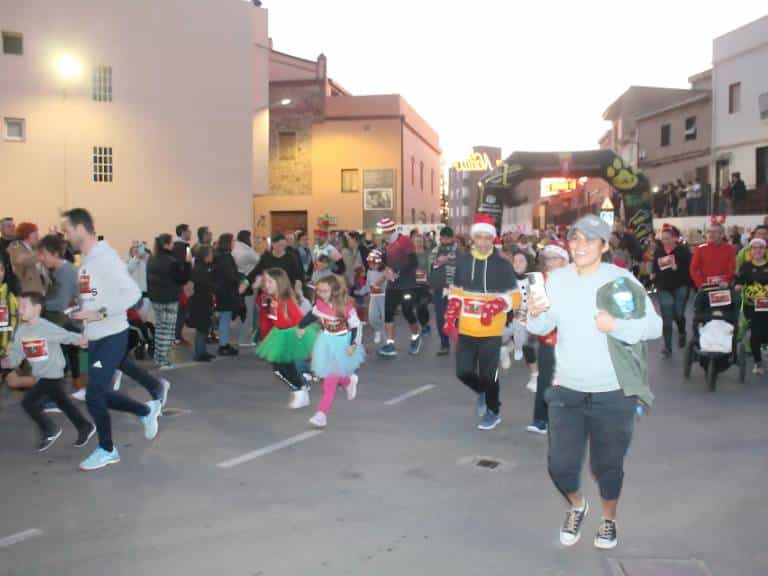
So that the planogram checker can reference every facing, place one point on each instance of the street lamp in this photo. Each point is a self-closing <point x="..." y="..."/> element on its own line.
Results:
<point x="68" y="67"/>
<point x="285" y="102"/>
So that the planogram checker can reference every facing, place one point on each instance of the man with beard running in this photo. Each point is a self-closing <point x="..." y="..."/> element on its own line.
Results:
<point x="106" y="293"/>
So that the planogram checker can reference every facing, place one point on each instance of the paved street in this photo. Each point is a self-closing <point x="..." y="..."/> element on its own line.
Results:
<point x="389" y="488"/>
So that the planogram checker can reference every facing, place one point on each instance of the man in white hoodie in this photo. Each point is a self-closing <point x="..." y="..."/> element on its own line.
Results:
<point x="106" y="293"/>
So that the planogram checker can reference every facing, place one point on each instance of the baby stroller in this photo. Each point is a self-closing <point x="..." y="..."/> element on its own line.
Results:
<point x="715" y="344"/>
<point x="141" y="336"/>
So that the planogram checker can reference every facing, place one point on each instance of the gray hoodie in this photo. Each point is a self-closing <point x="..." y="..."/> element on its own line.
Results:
<point x="106" y="284"/>
<point x="40" y="343"/>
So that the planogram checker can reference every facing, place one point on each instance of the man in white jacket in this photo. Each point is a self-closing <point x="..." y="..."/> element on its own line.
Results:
<point x="106" y="293"/>
<point x="246" y="260"/>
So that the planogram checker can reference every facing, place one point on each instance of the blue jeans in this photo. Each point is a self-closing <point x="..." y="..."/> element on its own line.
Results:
<point x="225" y="320"/>
<point x="673" y="310"/>
<point x="440" y="304"/>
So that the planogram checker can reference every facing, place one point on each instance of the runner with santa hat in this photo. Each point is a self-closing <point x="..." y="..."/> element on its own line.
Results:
<point x="482" y="294"/>
<point x="400" y="272"/>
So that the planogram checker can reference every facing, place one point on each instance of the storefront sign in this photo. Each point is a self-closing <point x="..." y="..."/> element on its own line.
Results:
<point x="476" y="163"/>
<point x="555" y="186"/>
<point x="607" y="216"/>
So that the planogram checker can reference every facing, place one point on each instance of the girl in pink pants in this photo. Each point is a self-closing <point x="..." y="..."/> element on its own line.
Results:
<point x="337" y="353"/>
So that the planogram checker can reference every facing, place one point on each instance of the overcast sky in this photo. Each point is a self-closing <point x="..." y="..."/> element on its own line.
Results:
<point x="525" y="75"/>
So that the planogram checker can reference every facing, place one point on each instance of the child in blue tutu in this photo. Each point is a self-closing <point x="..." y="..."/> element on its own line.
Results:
<point x="281" y="345"/>
<point x="338" y="351"/>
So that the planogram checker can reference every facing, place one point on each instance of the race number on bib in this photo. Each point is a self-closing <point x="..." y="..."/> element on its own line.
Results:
<point x="667" y="262"/>
<point x="761" y="304"/>
<point x="35" y="349"/>
<point x="720" y="298"/>
<point x="5" y="318"/>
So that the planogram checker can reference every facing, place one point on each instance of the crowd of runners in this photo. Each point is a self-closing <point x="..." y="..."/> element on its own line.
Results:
<point x="577" y="305"/>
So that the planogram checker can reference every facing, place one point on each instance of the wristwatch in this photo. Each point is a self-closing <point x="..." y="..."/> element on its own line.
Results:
<point x="102" y="313"/>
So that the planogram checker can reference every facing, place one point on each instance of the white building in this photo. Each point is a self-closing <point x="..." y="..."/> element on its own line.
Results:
<point x="740" y="105"/>
<point x="148" y="113"/>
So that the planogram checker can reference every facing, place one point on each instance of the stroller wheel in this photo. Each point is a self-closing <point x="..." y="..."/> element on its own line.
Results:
<point x="712" y="374"/>
<point x="688" y="362"/>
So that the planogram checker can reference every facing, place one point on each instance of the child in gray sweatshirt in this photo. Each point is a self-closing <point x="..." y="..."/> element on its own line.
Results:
<point x="39" y="342"/>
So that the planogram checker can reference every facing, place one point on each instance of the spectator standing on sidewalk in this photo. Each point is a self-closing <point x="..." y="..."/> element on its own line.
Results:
<point x="601" y="373"/>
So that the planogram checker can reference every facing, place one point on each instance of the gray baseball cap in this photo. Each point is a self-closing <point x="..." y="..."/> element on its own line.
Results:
<point x="592" y="227"/>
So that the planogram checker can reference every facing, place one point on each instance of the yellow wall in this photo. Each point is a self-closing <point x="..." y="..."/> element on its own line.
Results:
<point x="337" y="145"/>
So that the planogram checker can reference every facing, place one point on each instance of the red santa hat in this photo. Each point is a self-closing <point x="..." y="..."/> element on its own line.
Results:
<point x="483" y="224"/>
<point x="556" y="248"/>
<point x="671" y="229"/>
<point x="387" y="226"/>
<point x="375" y="256"/>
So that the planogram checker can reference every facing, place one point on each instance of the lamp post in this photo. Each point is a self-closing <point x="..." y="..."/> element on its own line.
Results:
<point x="69" y="69"/>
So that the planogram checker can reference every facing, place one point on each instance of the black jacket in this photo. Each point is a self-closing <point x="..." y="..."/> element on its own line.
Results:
<point x="201" y="302"/>
<point x="670" y="280"/>
<point x="494" y="275"/>
<point x="165" y="277"/>
<point x="227" y="281"/>
<point x="288" y="263"/>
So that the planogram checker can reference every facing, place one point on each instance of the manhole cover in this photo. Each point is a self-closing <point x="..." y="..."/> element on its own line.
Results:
<point x="657" y="567"/>
<point x="172" y="412"/>
<point x="489" y="464"/>
<point x="486" y="463"/>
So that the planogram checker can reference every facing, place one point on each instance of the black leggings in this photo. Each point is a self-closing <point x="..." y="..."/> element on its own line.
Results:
<point x="53" y="389"/>
<point x="546" y="375"/>
<point x="290" y="374"/>
<point x="477" y="366"/>
<point x="758" y="331"/>
<point x="423" y="298"/>
<point x="405" y="298"/>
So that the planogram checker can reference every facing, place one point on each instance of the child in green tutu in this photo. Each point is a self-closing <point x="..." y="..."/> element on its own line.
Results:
<point x="337" y="352"/>
<point x="279" y="317"/>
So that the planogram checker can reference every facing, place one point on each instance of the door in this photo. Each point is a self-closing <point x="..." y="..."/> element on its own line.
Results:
<point x="288" y="221"/>
<point x="762" y="167"/>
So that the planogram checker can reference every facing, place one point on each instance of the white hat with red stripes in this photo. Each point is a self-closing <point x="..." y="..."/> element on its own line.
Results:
<point x="387" y="226"/>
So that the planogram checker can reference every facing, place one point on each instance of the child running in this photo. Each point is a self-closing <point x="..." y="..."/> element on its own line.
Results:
<point x="516" y="330"/>
<point x="375" y="287"/>
<point x="337" y="352"/>
<point x="39" y="341"/>
<point x="279" y="315"/>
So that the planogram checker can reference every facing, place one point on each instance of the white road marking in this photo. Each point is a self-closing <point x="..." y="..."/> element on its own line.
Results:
<point x="269" y="449"/>
<point x="411" y="394"/>
<point x="19" y="537"/>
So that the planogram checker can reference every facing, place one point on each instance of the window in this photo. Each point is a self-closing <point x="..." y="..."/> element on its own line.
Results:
<point x="690" y="128"/>
<point x="102" y="84"/>
<point x="666" y="133"/>
<point x="432" y="182"/>
<point x="762" y="167"/>
<point x="102" y="164"/>
<point x="734" y="98"/>
<point x="13" y="43"/>
<point x="287" y="145"/>
<point x="413" y="171"/>
<point x="350" y="181"/>
<point x="14" y="129"/>
<point x="421" y="176"/>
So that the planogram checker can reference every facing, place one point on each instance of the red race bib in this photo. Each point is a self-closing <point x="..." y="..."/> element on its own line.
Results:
<point x="35" y="349"/>
<point x="421" y="277"/>
<point x="761" y="304"/>
<point x="666" y="262"/>
<point x="5" y="318"/>
<point x="719" y="298"/>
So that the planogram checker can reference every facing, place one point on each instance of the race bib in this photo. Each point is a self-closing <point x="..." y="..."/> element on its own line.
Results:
<point x="5" y="318"/>
<point x="86" y="290"/>
<point x="667" y="262"/>
<point x="35" y="349"/>
<point x="473" y="307"/>
<point x="761" y="304"/>
<point x="715" y="280"/>
<point x="421" y="277"/>
<point x="719" y="298"/>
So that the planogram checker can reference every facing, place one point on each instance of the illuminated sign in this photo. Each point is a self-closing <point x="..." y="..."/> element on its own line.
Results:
<point x="554" y="186"/>
<point x="607" y="204"/>
<point x="476" y="163"/>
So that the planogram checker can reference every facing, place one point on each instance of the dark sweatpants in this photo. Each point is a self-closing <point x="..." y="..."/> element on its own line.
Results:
<point x="477" y="366"/>
<point x="104" y="357"/>
<point x="546" y="374"/>
<point x="606" y="421"/>
<point x="53" y="389"/>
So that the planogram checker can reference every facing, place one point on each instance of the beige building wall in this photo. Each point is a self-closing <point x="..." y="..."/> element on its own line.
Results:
<point x="181" y="124"/>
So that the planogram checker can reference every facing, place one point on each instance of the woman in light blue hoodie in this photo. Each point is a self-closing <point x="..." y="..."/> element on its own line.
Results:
<point x="589" y="402"/>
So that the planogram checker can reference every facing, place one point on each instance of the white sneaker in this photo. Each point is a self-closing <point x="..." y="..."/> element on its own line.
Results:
<point x="117" y="380"/>
<point x="166" y="367"/>
<point x="319" y="420"/>
<point x="377" y="338"/>
<point x="506" y="363"/>
<point x="758" y="369"/>
<point x="518" y="354"/>
<point x="79" y="395"/>
<point x="570" y="533"/>
<point x="352" y="388"/>
<point x="299" y="399"/>
<point x="533" y="383"/>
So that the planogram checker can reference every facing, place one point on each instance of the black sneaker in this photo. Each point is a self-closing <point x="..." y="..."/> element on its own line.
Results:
<point x="84" y="435"/>
<point x="444" y="351"/>
<point x="571" y="530"/>
<point x="226" y="351"/>
<point x="48" y="441"/>
<point x="234" y="351"/>
<point x="682" y="340"/>
<point x="607" y="537"/>
<point x="205" y="358"/>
